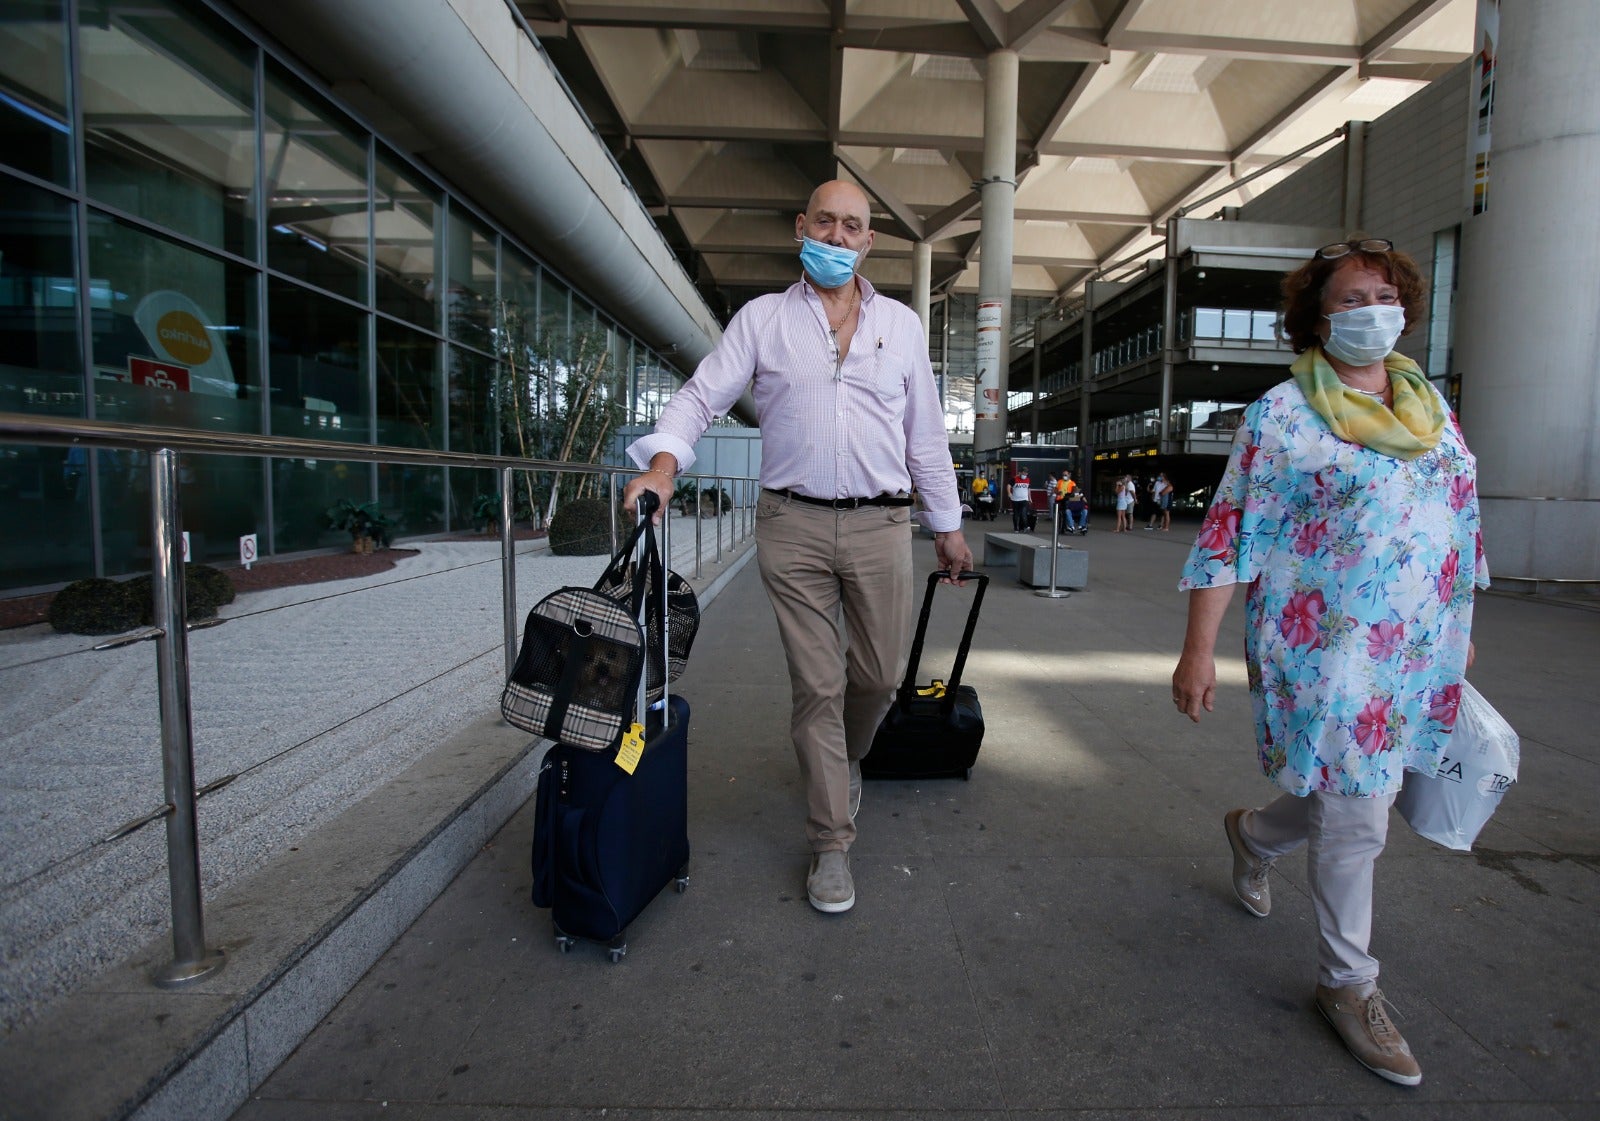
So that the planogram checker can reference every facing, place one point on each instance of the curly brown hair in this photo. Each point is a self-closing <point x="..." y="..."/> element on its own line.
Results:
<point x="1302" y="292"/>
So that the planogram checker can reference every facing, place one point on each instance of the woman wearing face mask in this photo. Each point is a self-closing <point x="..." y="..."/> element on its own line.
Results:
<point x="1349" y="510"/>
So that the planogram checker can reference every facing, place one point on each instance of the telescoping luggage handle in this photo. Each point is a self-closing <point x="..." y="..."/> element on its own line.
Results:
<point x="646" y="554"/>
<point x="908" y="687"/>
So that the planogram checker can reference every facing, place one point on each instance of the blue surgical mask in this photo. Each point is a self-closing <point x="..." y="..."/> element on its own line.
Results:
<point x="1364" y="335"/>
<point x="831" y="266"/>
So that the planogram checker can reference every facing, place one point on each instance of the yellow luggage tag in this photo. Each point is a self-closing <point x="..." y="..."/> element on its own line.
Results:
<point x="632" y="748"/>
<point x="934" y="690"/>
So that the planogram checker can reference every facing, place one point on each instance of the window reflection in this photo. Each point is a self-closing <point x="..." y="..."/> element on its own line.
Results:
<point x="317" y="213"/>
<point x="406" y="220"/>
<point x="469" y="303"/>
<point x="169" y="118"/>
<point x="35" y="129"/>
<point x="174" y="332"/>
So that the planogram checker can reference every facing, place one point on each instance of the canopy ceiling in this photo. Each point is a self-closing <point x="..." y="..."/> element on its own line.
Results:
<point x="725" y="113"/>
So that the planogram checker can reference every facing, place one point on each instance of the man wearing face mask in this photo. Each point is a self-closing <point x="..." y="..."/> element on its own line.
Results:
<point x="1349" y="511"/>
<point x="850" y="421"/>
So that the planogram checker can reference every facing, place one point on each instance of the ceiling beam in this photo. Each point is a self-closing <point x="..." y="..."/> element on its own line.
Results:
<point x="1029" y="19"/>
<point x="1286" y="116"/>
<point x="1268" y="50"/>
<point x="1404" y="24"/>
<point x="935" y="225"/>
<point x="903" y="215"/>
<point x="988" y="22"/>
<point x="1050" y="45"/>
<point x="1080" y="86"/>
<point x="1120" y="19"/>
<point x="1135" y="152"/>
<point x="690" y="18"/>
<point x="957" y="39"/>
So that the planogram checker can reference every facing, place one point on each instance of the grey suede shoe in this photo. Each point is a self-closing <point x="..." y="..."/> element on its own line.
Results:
<point x="1364" y="1025"/>
<point x="829" y="886"/>
<point x="1249" y="871"/>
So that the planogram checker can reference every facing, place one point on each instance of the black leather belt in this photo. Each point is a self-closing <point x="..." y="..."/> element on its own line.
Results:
<point x="843" y="503"/>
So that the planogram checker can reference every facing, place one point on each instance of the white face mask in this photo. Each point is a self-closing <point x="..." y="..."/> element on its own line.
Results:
<point x="1364" y="335"/>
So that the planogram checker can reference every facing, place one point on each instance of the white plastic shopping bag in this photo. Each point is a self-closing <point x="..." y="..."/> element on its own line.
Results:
<point x="1452" y="805"/>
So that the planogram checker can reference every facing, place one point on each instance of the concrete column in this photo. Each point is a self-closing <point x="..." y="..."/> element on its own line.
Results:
<point x="1355" y="172"/>
<point x="1528" y="337"/>
<point x="922" y="297"/>
<point x="999" y="195"/>
<point x="1169" y="335"/>
<point x="1085" y="388"/>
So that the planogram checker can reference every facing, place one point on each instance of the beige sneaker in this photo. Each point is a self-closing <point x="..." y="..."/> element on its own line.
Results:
<point x="1249" y="871"/>
<point x="855" y="787"/>
<point x="1364" y="1025"/>
<point x="829" y="886"/>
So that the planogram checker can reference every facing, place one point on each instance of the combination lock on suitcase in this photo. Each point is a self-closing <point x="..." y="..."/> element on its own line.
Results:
<point x="933" y="730"/>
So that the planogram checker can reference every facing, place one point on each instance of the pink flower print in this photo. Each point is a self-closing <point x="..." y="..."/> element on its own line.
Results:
<point x="1372" y="726"/>
<point x="1309" y="539"/>
<point x="1462" y="491"/>
<point x="1447" y="576"/>
<point x="1248" y="456"/>
<point x="1444" y="705"/>
<point x="1384" y="640"/>
<point x="1220" y="528"/>
<point x="1301" y="621"/>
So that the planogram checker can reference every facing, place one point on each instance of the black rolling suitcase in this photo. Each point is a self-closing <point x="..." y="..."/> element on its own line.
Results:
<point x="611" y="827"/>
<point x="934" y="730"/>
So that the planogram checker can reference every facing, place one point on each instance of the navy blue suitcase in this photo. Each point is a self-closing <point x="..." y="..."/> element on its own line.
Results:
<point x="606" y="842"/>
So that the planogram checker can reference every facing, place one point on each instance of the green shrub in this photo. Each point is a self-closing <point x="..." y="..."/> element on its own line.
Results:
<point x="582" y="528"/>
<point x="94" y="606"/>
<point x="211" y="584"/>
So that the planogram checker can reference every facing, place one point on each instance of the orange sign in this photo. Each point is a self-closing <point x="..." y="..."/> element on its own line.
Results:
<point x="184" y="337"/>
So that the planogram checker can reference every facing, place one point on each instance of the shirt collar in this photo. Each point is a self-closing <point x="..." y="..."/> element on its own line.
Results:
<point x="810" y="293"/>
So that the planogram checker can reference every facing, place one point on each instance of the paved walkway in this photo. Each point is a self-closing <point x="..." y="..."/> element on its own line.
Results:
<point x="1054" y="939"/>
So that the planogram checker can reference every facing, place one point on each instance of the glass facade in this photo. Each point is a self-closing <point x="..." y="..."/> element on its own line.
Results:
<point x="199" y="237"/>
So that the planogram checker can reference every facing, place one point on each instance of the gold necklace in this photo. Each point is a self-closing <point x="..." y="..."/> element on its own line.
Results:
<point x="850" y="306"/>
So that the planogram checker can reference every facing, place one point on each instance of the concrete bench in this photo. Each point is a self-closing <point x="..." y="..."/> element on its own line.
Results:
<point x="1031" y="554"/>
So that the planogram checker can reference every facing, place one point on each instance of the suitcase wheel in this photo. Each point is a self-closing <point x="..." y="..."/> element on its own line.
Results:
<point x="564" y="941"/>
<point x="617" y="948"/>
<point x="682" y="882"/>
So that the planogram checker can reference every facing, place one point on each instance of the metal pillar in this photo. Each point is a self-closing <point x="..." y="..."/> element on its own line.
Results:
<point x="1169" y="333"/>
<point x="998" y="190"/>
<point x="191" y="960"/>
<point x="508" y="567"/>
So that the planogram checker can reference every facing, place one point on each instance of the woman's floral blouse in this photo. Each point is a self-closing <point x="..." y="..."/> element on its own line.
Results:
<point x="1360" y="571"/>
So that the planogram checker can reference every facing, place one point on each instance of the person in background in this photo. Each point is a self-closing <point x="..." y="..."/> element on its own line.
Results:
<point x="1349" y="511"/>
<point x="1160" y="502"/>
<point x="1077" y="507"/>
<point x="1021" y="499"/>
<point x="850" y="421"/>
<point x="1125" y="490"/>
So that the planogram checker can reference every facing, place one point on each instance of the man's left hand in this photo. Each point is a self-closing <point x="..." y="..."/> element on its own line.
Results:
<point x="954" y="556"/>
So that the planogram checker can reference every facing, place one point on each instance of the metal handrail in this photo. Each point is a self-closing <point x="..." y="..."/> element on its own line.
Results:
<point x="192" y="959"/>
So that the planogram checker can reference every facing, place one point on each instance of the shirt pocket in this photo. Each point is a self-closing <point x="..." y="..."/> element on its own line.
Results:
<point x="887" y="375"/>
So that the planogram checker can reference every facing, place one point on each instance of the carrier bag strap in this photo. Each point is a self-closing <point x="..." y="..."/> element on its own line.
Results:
<point x="649" y="573"/>
<point x="571" y="673"/>
<point x="617" y="569"/>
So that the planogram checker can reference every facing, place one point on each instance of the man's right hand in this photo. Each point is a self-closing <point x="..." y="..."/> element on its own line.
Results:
<point x="658" y="481"/>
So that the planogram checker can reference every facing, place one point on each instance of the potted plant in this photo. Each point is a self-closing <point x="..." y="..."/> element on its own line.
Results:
<point x="367" y="526"/>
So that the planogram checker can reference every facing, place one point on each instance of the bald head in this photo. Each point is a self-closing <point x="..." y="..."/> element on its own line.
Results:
<point x="841" y="198"/>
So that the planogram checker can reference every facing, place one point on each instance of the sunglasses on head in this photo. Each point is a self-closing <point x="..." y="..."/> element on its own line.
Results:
<point x="1365" y="245"/>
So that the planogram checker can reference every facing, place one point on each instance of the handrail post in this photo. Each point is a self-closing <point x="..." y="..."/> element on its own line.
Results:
<point x="508" y="566"/>
<point x="1053" y="592"/>
<point x="191" y="959"/>
<point x="718" y="485"/>
<point x="699" y="525"/>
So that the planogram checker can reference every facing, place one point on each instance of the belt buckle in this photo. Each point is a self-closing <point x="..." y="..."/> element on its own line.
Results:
<point x="845" y="504"/>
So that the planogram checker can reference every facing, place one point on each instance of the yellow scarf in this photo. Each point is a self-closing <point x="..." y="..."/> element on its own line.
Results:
<point x="1411" y="428"/>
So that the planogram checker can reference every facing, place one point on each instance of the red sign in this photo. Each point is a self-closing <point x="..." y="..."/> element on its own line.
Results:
<point x="158" y="375"/>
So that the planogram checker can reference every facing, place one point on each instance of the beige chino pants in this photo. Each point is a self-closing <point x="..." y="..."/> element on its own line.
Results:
<point x="840" y="586"/>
